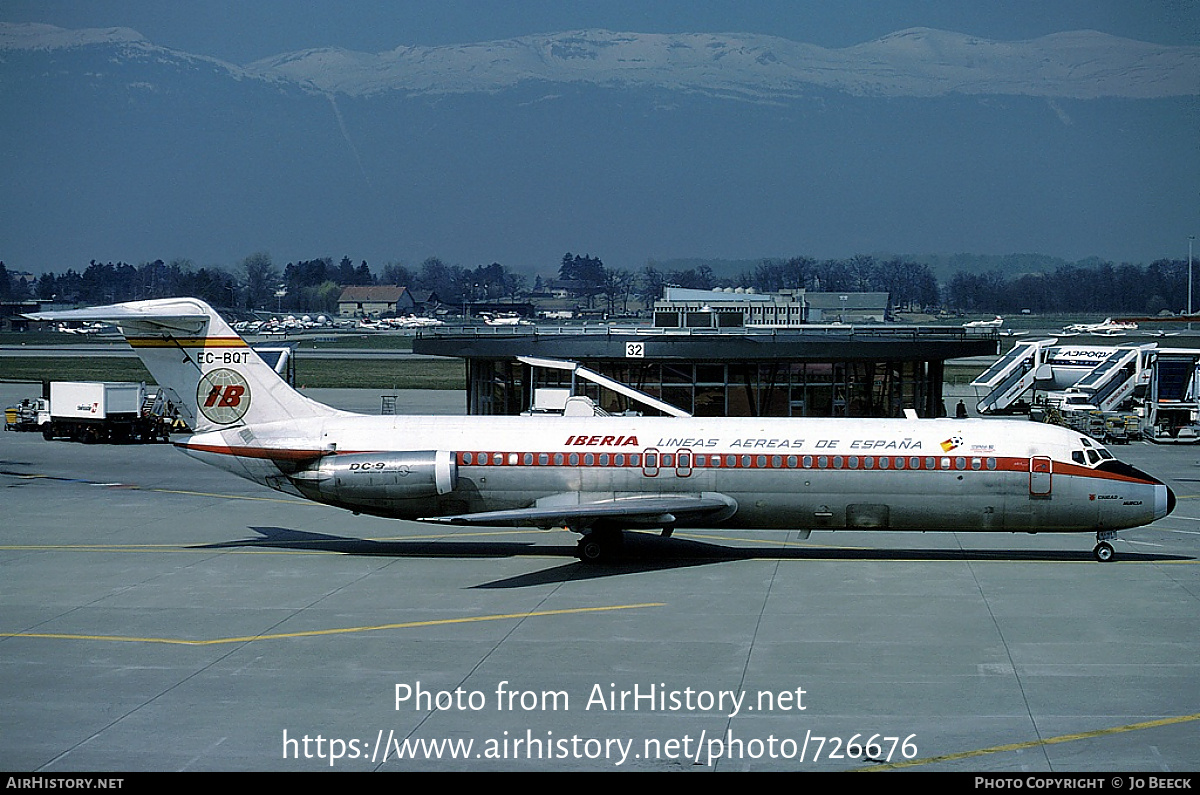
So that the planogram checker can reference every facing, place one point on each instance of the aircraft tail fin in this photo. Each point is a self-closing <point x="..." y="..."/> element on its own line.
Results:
<point x="218" y="380"/>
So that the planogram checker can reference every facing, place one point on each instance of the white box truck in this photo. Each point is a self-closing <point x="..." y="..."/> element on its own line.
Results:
<point x="100" y="411"/>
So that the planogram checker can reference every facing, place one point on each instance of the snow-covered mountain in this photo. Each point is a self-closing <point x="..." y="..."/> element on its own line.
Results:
<point x="625" y="145"/>
<point x="918" y="62"/>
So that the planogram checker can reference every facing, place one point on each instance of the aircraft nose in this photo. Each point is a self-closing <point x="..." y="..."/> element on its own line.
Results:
<point x="1164" y="497"/>
<point x="1164" y="502"/>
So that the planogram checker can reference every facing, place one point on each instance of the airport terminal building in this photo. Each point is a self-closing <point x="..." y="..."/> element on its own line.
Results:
<point x="746" y="371"/>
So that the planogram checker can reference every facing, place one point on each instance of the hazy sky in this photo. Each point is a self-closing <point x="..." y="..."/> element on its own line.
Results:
<point x="241" y="31"/>
<point x="1064" y="211"/>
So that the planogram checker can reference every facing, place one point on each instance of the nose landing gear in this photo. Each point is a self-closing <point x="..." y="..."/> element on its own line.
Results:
<point x="1104" y="550"/>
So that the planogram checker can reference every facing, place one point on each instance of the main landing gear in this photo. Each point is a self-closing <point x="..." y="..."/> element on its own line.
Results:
<point x="1104" y="550"/>
<point x="600" y="546"/>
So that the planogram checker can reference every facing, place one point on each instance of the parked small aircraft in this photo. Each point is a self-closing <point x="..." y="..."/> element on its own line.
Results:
<point x="1109" y="328"/>
<point x="504" y="319"/>
<point x="601" y="475"/>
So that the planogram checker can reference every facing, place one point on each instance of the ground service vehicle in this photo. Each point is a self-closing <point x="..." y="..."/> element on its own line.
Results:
<point x="101" y="411"/>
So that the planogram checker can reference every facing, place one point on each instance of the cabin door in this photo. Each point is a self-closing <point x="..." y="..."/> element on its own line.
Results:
<point x="1041" y="475"/>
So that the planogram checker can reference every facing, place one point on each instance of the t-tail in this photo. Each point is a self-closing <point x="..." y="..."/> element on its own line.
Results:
<point x="216" y="379"/>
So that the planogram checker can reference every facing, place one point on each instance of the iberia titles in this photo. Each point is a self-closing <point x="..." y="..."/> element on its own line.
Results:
<point x="601" y="441"/>
<point x="906" y="443"/>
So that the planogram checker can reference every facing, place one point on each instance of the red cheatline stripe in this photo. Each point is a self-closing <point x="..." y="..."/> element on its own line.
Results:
<point x="270" y="453"/>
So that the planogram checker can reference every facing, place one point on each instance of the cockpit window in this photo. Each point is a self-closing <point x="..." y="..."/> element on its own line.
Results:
<point x="1092" y="453"/>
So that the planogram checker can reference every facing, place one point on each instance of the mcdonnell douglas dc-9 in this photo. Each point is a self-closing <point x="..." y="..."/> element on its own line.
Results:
<point x="602" y="475"/>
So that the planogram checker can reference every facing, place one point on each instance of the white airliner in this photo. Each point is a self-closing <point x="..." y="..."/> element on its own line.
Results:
<point x="995" y="322"/>
<point x="1109" y="328"/>
<point x="504" y="319"/>
<point x="600" y="475"/>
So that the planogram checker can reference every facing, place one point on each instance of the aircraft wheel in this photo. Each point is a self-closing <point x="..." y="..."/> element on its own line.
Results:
<point x="1103" y="552"/>
<point x="599" y="547"/>
<point x="590" y="550"/>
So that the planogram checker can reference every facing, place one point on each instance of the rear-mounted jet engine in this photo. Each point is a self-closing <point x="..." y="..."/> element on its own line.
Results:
<point x="372" y="479"/>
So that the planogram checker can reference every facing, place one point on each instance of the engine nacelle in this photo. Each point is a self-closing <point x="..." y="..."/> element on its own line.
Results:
<point x="380" y="476"/>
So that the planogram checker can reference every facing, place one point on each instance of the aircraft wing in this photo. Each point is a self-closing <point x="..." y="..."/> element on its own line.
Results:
<point x="654" y="511"/>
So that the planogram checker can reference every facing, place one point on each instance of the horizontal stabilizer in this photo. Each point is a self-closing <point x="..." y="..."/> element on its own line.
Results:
<point x="181" y="316"/>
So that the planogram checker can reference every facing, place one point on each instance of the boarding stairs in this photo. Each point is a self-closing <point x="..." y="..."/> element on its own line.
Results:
<point x="1114" y="380"/>
<point x="1012" y="375"/>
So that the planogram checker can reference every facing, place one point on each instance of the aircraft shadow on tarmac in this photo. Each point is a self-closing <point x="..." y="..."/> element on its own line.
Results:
<point x="643" y="552"/>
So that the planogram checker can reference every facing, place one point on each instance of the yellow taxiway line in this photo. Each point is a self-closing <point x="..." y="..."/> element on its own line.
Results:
<point x="337" y="631"/>
<point x="1064" y="738"/>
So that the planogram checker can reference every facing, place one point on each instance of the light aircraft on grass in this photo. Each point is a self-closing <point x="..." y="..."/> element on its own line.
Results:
<point x="602" y="475"/>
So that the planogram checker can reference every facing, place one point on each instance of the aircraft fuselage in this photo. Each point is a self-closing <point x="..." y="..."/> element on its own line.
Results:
<point x="776" y="473"/>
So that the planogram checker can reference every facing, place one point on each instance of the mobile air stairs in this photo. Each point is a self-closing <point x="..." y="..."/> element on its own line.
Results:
<point x="1012" y="375"/>
<point x="1114" y="380"/>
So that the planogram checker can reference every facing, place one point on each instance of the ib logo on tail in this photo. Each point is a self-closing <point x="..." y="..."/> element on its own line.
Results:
<point x="223" y="396"/>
